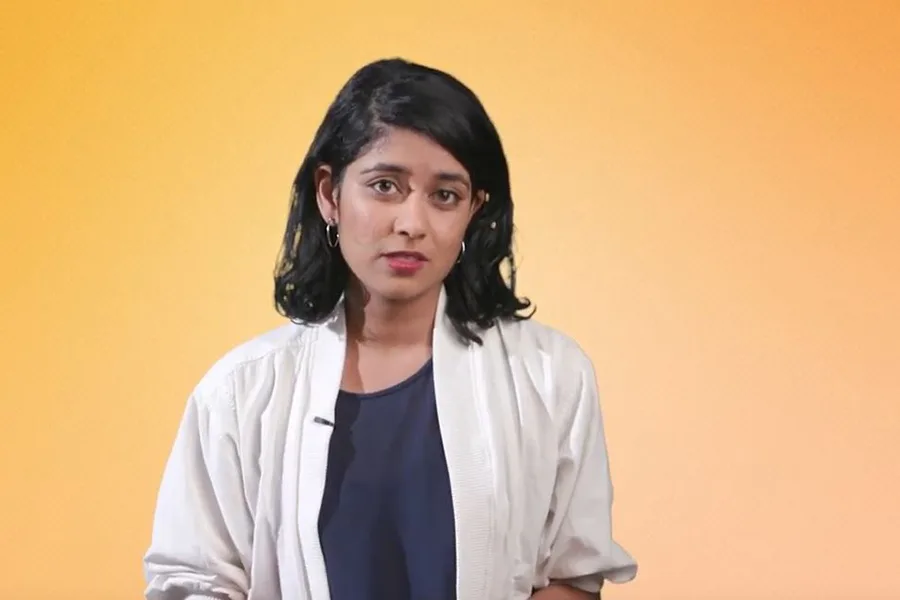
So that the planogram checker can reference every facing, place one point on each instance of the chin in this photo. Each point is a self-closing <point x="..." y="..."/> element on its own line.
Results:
<point x="399" y="293"/>
<point x="399" y="290"/>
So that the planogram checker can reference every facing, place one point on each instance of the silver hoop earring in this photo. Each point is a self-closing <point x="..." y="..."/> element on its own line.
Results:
<point x="332" y="237"/>
<point x="461" y="254"/>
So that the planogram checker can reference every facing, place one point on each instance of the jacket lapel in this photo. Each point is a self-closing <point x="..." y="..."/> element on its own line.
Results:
<point x="322" y="372"/>
<point x="462" y="420"/>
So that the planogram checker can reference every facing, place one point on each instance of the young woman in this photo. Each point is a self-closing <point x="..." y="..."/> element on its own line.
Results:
<point x="411" y="434"/>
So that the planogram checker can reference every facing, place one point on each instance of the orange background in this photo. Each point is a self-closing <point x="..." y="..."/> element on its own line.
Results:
<point x="708" y="198"/>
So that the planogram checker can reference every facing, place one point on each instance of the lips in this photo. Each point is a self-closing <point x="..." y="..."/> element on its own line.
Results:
<point x="405" y="263"/>
<point x="409" y="256"/>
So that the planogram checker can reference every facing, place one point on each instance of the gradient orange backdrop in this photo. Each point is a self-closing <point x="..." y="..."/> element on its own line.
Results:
<point x="708" y="198"/>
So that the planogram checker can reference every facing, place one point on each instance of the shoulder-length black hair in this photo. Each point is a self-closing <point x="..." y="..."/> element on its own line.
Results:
<point x="310" y="276"/>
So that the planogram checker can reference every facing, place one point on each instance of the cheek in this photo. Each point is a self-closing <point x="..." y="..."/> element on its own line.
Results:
<point x="449" y="237"/>
<point x="360" y="222"/>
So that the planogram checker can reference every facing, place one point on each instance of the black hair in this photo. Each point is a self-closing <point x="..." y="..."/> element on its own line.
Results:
<point x="311" y="276"/>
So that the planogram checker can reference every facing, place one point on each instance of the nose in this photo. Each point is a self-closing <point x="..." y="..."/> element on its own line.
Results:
<point x="412" y="216"/>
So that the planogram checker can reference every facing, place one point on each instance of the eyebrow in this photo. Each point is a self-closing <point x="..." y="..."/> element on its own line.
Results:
<point x="401" y="170"/>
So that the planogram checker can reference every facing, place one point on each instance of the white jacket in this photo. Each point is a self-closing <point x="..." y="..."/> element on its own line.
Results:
<point x="237" y="514"/>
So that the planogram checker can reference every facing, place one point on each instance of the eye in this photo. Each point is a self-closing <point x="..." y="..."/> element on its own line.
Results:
<point x="383" y="186"/>
<point x="448" y="197"/>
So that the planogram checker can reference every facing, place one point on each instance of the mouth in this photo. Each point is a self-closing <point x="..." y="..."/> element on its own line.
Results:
<point x="407" y="256"/>
<point x="405" y="263"/>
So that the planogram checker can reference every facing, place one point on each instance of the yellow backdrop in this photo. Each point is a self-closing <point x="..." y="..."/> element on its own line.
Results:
<point x="708" y="199"/>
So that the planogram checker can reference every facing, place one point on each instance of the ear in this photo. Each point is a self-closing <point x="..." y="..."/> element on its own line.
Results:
<point x="478" y="200"/>
<point x="326" y="193"/>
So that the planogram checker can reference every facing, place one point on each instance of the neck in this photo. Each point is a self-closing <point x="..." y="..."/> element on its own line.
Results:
<point x="373" y="321"/>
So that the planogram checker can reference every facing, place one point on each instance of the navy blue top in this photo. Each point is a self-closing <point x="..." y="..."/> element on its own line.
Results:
<point x="386" y="523"/>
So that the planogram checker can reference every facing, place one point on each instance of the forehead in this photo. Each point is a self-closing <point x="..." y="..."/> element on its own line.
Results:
<point x="413" y="151"/>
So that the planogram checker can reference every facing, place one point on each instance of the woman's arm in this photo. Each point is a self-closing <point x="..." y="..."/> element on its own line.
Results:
<point x="578" y="549"/>
<point x="202" y="529"/>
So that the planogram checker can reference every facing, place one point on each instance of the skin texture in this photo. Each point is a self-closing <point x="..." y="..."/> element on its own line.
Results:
<point x="405" y="194"/>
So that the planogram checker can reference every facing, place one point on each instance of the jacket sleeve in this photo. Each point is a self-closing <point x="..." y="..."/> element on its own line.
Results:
<point x="202" y="528"/>
<point x="578" y="547"/>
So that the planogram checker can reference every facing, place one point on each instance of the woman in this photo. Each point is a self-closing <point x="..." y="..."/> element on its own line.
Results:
<point x="411" y="434"/>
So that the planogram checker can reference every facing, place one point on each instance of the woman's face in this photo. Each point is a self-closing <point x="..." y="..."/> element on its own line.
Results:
<point x="401" y="210"/>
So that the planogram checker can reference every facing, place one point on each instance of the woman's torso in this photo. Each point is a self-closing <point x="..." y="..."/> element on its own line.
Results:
<point x="495" y="411"/>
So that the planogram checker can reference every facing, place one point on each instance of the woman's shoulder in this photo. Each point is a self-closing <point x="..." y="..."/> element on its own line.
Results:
<point x="253" y="361"/>
<point x="554" y="363"/>
<point x="551" y="357"/>
<point x="533" y="338"/>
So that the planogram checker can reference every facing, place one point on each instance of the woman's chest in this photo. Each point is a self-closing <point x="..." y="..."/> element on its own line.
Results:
<point x="500" y="446"/>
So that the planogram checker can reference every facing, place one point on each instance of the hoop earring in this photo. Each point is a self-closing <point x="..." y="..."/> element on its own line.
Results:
<point x="332" y="237"/>
<point x="461" y="254"/>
